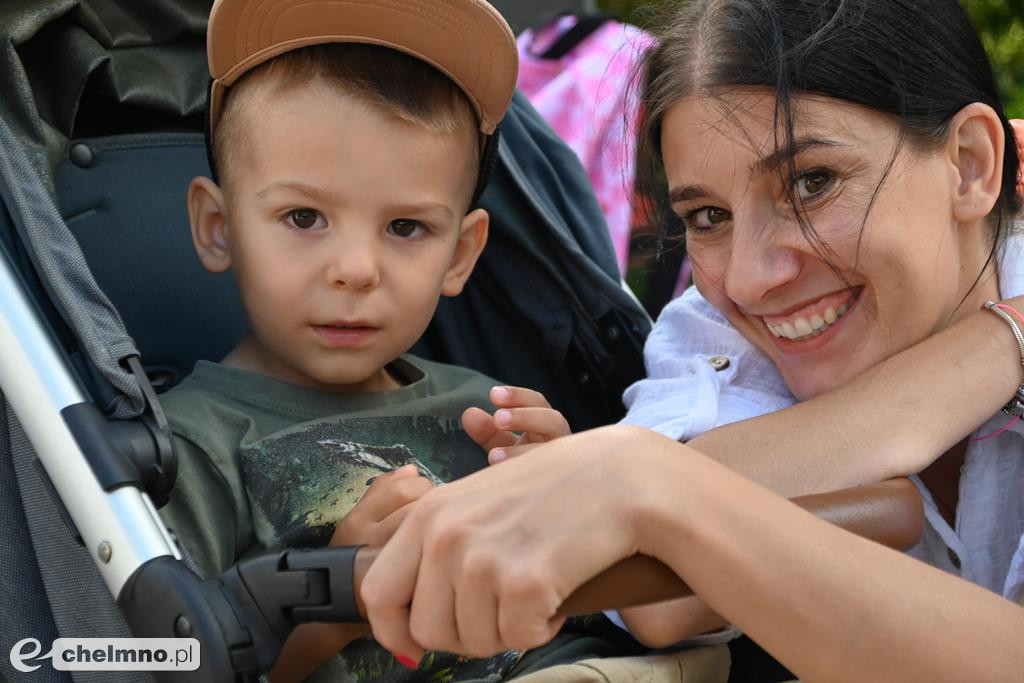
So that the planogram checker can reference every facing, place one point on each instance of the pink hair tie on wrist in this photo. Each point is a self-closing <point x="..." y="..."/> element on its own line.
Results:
<point x="1015" y="406"/>
<point x="1009" y="309"/>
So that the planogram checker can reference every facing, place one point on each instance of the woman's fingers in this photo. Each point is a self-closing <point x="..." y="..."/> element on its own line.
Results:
<point x="432" y="618"/>
<point x="476" y="607"/>
<point x="385" y="529"/>
<point x="1018" y="129"/>
<point x="387" y="592"/>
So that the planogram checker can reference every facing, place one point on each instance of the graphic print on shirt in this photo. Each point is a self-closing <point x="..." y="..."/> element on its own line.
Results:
<point x="301" y="481"/>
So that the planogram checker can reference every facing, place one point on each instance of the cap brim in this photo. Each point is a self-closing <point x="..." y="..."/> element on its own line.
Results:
<point x="467" y="40"/>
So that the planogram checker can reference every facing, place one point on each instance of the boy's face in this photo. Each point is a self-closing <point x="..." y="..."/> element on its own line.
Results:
<point x="343" y="225"/>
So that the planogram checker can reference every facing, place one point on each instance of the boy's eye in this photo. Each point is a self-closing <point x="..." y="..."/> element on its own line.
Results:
<point x="304" y="219"/>
<point x="705" y="218"/>
<point x="403" y="227"/>
<point x="810" y="185"/>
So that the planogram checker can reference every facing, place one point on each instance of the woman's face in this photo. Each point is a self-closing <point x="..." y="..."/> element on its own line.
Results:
<point x="876" y="282"/>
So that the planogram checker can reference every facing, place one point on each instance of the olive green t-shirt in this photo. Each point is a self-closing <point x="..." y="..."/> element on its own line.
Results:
<point x="264" y="464"/>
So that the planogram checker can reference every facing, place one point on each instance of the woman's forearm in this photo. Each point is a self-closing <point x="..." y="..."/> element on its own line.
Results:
<point x="667" y="623"/>
<point x="892" y="420"/>
<point x="829" y="605"/>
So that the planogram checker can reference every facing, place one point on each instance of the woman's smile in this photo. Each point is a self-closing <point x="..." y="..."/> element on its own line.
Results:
<point x="809" y="327"/>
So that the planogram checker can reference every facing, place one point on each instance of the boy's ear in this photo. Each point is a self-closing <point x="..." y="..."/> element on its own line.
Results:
<point x="207" y="217"/>
<point x="472" y="238"/>
<point x="976" y="146"/>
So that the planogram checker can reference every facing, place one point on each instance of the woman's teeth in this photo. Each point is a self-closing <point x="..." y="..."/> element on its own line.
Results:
<point x="804" y="328"/>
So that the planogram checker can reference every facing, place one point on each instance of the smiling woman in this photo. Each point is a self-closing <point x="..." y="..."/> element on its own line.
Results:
<point x="847" y="183"/>
<point x="889" y="263"/>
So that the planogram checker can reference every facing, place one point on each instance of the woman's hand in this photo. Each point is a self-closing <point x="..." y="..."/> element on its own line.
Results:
<point x="482" y="564"/>
<point x="524" y="420"/>
<point x="1018" y="130"/>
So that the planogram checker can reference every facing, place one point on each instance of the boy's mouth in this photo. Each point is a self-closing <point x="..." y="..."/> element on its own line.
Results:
<point x="346" y="334"/>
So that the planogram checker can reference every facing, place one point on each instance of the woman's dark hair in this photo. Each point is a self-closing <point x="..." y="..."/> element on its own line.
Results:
<point x="921" y="61"/>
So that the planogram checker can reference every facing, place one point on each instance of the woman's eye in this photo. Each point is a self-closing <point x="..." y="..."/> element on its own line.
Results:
<point x="304" y="219"/>
<point x="404" y="227"/>
<point x="810" y="185"/>
<point x="705" y="218"/>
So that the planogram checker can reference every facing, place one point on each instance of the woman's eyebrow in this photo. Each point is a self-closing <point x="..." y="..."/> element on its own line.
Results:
<point x="682" y="194"/>
<point x="771" y="162"/>
<point x="779" y="157"/>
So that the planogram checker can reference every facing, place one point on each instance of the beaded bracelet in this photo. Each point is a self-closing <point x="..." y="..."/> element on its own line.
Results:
<point x="1015" y="406"/>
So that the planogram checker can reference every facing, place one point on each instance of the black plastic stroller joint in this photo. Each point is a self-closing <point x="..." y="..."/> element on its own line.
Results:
<point x="243" y="618"/>
<point x="135" y="452"/>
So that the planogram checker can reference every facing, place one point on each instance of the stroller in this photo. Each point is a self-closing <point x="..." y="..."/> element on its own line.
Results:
<point x="103" y="305"/>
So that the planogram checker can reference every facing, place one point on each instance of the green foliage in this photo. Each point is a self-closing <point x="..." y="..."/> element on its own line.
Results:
<point x="1000" y="22"/>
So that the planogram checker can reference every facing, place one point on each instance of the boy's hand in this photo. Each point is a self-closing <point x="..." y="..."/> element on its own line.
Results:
<point x="381" y="509"/>
<point x="523" y="420"/>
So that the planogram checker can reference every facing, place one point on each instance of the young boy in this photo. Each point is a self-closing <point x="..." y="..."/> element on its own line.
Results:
<point x="347" y="139"/>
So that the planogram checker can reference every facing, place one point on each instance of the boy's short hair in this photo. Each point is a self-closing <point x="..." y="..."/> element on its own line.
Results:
<point x="467" y="41"/>
<point x="407" y="87"/>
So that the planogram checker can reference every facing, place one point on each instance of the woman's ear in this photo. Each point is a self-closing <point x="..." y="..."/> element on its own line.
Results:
<point x="207" y="217"/>
<point x="472" y="238"/>
<point x="976" y="146"/>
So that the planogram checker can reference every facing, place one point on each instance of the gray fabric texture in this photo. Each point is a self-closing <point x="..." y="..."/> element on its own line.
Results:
<point x="26" y="611"/>
<point x="146" y="56"/>
<point x="82" y="605"/>
<point x="62" y="268"/>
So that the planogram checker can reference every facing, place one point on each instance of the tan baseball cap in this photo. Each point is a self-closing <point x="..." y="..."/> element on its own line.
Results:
<point x="467" y="40"/>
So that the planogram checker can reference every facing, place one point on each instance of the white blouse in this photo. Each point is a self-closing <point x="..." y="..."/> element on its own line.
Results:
<point x="691" y="389"/>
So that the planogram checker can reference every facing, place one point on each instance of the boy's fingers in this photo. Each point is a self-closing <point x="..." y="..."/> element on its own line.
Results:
<point x="479" y="426"/>
<point x="509" y="397"/>
<point x="498" y="455"/>
<point x="403" y="471"/>
<point x="537" y="424"/>
<point x="392" y="492"/>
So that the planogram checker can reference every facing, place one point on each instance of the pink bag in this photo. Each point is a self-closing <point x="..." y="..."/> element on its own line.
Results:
<point x="577" y="72"/>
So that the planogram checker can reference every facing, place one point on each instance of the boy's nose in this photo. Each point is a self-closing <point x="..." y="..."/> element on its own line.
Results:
<point x="354" y="266"/>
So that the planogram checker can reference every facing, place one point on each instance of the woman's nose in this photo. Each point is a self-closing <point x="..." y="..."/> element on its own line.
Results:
<point x="761" y="260"/>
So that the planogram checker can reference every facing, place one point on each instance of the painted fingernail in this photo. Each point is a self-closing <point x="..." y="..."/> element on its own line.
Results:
<point x="407" y="662"/>
<point x="498" y="455"/>
<point x="500" y="393"/>
<point x="503" y="417"/>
